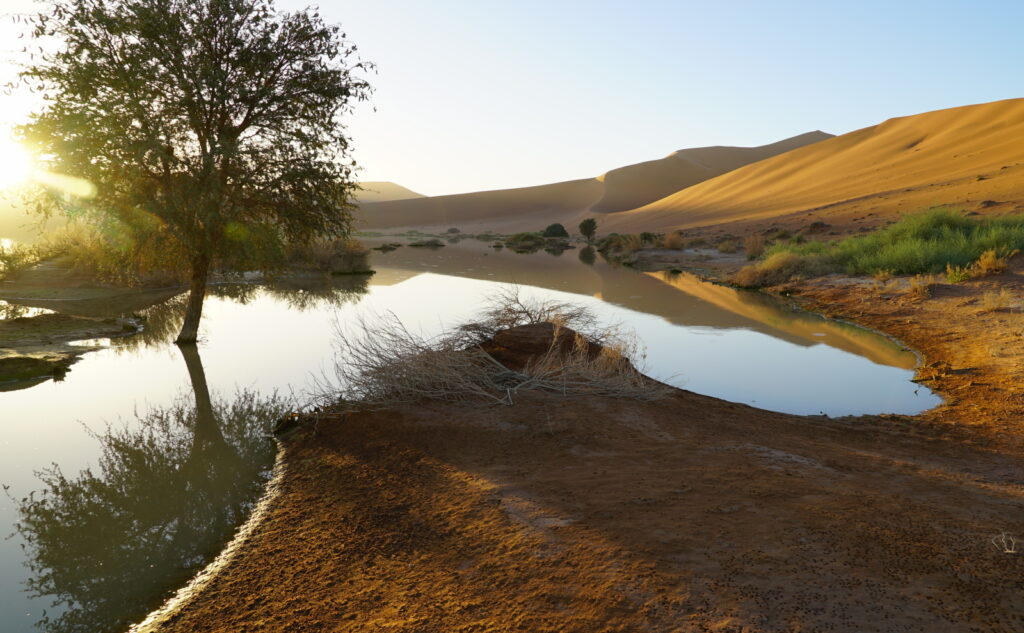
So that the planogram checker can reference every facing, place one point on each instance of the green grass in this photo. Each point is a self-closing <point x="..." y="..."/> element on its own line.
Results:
<point x="920" y="243"/>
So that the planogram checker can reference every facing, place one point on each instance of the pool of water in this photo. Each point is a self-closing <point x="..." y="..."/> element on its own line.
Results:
<point x="175" y="441"/>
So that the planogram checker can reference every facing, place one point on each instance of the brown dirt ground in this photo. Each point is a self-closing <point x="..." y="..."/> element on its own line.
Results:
<point x="688" y="514"/>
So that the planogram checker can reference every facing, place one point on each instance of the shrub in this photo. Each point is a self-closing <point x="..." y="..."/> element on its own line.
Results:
<point x="727" y="246"/>
<point x="382" y="363"/>
<point x="956" y="274"/>
<point x="617" y="246"/>
<point x="754" y="245"/>
<point x="555" y="230"/>
<point x="526" y="242"/>
<point x="921" y="286"/>
<point x="991" y="262"/>
<point x="15" y="258"/>
<point x="993" y="301"/>
<point x="779" y="268"/>
<point x="672" y="241"/>
<point x="337" y="257"/>
<point x="431" y="243"/>
<point x="454" y="230"/>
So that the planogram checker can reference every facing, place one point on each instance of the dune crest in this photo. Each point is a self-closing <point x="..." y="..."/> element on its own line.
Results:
<point x="530" y="208"/>
<point x="383" y="191"/>
<point x="970" y="156"/>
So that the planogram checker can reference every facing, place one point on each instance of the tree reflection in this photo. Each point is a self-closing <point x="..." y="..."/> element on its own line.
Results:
<point x="588" y="256"/>
<point x="163" y="321"/>
<point x="110" y="545"/>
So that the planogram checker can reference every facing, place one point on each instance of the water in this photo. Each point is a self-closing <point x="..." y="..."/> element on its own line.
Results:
<point x="175" y="439"/>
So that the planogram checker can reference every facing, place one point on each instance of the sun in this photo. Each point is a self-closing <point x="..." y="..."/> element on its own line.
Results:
<point x="16" y="164"/>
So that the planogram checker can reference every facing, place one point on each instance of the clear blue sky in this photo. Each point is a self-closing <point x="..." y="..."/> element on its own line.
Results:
<point x="485" y="94"/>
<point x="482" y="94"/>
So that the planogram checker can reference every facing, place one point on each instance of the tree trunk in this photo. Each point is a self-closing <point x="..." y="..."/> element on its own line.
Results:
<point x="196" y="294"/>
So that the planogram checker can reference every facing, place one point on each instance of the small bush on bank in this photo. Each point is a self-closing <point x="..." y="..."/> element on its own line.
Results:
<point x="727" y="246"/>
<point x="993" y="301"/>
<point x="555" y="230"/>
<point x="336" y="257"/>
<point x="672" y="241"/>
<point x="779" y="268"/>
<point x="754" y="246"/>
<point x="431" y="243"/>
<point x="525" y="242"/>
<point x="16" y="258"/>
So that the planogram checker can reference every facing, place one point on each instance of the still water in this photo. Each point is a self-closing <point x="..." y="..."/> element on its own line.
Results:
<point x="129" y="475"/>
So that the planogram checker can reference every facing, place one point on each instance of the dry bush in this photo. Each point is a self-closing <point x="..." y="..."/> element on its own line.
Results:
<point x="882" y="275"/>
<point x="956" y="274"/>
<point x="991" y="262"/>
<point x="672" y="241"/>
<point x="921" y="286"/>
<point x="341" y="256"/>
<point x="727" y="246"/>
<point x="778" y="269"/>
<point x="754" y="245"/>
<point x="383" y="364"/>
<point x="992" y="301"/>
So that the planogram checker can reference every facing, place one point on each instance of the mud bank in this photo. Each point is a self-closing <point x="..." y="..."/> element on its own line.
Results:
<point x="686" y="514"/>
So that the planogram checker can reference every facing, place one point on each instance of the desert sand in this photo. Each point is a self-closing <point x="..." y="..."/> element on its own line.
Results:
<point x="383" y="191"/>
<point x="970" y="157"/>
<point x="533" y="208"/>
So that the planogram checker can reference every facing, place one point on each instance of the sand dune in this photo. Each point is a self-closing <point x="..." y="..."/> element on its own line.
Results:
<point x="382" y="191"/>
<point x="529" y="208"/>
<point x="971" y="156"/>
<point x="532" y="208"/>
<point x="636" y="185"/>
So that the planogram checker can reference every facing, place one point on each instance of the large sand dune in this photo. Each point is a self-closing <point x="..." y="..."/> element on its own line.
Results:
<point x="532" y="208"/>
<point x="636" y="185"/>
<point x="383" y="191"/>
<point x="971" y="157"/>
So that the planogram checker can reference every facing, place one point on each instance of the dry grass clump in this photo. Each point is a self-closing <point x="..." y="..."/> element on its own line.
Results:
<point x="755" y="245"/>
<point x="921" y="286"/>
<point x="993" y="301"/>
<point x="384" y="364"/>
<point x="779" y="268"/>
<point x="991" y="262"/>
<point x="727" y="246"/>
<point x="341" y="256"/>
<point x="673" y="241"/>
<point x="956" y="274"/>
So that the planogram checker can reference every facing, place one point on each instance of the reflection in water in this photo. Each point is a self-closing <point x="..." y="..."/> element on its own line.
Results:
<point x="108" y="546"/>
<point x="163" y="320"/>
<point x="588" y="256"/>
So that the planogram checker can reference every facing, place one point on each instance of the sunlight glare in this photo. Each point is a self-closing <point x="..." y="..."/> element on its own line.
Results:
<point x="16" y="164"/>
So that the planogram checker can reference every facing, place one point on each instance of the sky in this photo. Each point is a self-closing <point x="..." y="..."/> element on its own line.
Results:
<point x="481" y="94"/>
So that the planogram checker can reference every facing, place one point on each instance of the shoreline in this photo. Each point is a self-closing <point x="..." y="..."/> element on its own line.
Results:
<point x="958" y="460"/>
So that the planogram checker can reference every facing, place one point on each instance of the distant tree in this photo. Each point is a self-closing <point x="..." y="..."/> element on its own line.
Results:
<point x="555" y="230"/>
<point x="210" y="129"/>
<point x="588" y="229"/>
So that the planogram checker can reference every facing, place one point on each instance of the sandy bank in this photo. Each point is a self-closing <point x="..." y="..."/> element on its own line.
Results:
<point x="687" y="514"/>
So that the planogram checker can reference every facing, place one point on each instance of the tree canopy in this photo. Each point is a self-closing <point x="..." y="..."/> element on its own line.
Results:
<point x="210" y="130"/>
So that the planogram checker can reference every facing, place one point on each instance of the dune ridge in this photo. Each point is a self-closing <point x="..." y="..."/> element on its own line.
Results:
<point x="529" y="208"/>
<point x="969" y="156"/>
<point x="384" y="191"/>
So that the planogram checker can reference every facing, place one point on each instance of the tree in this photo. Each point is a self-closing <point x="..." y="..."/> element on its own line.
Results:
<point x="588" y="229"/>
<point x="555" y="230"/>
<point x="210" y="129"/>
